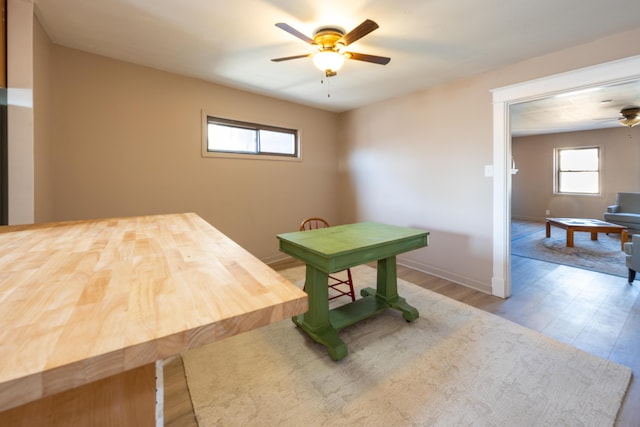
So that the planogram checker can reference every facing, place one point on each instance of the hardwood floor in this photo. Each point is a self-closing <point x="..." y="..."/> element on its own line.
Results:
<point x="595" y="312"/>
<point x="178" y="411"/>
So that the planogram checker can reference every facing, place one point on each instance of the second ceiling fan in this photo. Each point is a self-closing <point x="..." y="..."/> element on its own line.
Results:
<point x="628" y="116"/>
<point x="331" y="43"/>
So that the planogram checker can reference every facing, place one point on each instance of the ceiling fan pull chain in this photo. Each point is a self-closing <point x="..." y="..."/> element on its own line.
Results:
<point x="328" y="84"/>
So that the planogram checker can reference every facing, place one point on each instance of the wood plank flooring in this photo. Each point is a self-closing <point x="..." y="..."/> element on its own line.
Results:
<point x="596" y="312"/>
<point x="178" y="411"/>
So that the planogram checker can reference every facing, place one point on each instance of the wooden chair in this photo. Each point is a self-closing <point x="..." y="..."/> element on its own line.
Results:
<point x="342" y="287"/>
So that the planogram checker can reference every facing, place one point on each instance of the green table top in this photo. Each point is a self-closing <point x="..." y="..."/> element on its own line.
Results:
<point x="337" y="248"/>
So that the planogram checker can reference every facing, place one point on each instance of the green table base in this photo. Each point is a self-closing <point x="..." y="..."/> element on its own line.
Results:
<point x="324" y="330"/>
<point x="347" y="315"/>
<point x="337" y="248"/>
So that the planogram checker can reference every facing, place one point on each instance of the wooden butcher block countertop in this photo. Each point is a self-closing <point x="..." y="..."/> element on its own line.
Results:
<point x="83" y="300"/>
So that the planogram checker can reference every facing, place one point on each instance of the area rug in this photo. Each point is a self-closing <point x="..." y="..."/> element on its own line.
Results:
<point x="604" y="255"/>
<point x="454" y="365"/>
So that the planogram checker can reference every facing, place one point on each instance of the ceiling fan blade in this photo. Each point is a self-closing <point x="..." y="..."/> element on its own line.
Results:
<point x="287" y="58"/>
<point x="289" y="29"/>
<point x="382" y="60"/>
<point x="357" y="33"/>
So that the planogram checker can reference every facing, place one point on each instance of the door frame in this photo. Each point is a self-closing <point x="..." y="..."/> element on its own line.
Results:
<point x="614" y="72"/>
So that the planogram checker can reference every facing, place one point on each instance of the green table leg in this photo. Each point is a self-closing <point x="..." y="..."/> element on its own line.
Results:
<point x="315" y="322"/>
<point x="387" y="289"/>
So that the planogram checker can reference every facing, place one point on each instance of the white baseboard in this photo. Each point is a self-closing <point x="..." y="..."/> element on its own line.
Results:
<point x="447" y="275"/>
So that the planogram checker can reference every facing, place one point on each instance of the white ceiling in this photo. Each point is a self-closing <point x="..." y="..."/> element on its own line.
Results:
<point x="429" y="42"/>
<point x="593" y="108"/>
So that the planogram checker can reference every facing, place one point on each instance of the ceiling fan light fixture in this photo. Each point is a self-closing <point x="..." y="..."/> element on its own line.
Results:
<point x="328" y="61"/>
<point x="630" y="121"/>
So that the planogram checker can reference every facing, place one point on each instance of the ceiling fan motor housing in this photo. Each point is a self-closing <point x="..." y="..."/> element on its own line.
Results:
<point x="630" y="113"/>
<point x="326" y="38"/>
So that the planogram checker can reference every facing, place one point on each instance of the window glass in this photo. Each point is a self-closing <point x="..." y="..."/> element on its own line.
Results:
<point x="579" y="159"/>
<point x="277" y="142"/>
<point x="227" y="138"/>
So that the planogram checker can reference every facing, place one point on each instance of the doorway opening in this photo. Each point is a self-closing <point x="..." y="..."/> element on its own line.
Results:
<point x="614" y="72"/>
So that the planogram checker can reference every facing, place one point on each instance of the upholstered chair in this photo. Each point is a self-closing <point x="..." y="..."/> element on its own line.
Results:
<point x="632" y="251"/>
<point x="625" y="212"/>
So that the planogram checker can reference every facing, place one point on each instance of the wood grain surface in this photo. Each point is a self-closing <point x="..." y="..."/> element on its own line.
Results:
<point x="126" y="399"/>
<point x="84" y="300"/>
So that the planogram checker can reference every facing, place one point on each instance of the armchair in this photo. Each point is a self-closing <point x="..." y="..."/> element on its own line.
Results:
<point x="632" y="251"/>
<point x="626" y="211"/>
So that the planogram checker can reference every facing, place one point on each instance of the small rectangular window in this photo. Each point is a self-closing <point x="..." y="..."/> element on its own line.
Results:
<point x="242" y="138"/>
<point x="578" y="170"/>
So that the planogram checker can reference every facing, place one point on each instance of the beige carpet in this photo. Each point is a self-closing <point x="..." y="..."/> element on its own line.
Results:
<point x="454" y="366"/>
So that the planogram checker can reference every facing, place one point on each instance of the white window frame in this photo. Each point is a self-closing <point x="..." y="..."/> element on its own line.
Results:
<point x="206" y="118"/>
<point x="556" y="171"/>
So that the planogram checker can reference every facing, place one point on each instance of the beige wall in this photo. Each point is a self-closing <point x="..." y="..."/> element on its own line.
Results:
<point x="43" y="152"/>
<point x="532" y="192"/>
<point x="418" y="160"/>
<point x="126" y="140"/>
<point x="412" y="162"/>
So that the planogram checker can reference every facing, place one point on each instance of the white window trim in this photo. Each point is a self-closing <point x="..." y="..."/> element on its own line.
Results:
<point x="556" y="171"/>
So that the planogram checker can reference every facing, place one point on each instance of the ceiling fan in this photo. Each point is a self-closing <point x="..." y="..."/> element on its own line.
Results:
<point x="331" y="43"/>
<point x="630" y="116"/>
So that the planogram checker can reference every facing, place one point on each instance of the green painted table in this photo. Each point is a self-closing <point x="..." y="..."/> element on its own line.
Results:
<point x="332" y="249"/>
